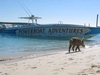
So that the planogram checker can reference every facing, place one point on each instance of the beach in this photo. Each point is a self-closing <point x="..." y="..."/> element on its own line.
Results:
<point x="86" y="62"/>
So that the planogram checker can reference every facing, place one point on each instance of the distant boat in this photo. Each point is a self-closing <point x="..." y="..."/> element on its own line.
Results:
<point x="50" y="30"/>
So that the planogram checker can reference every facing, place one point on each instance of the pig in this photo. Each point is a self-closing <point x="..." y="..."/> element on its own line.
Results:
<point x="76" y="41"/>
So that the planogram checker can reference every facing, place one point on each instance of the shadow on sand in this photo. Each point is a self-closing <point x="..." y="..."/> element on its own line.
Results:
<point x="72" y="52"/>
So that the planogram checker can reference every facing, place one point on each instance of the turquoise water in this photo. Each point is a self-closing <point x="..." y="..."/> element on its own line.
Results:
<point x="15" y="46"/>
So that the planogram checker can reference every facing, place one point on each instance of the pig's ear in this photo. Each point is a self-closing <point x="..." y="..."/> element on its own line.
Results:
<point x="83" y="39"/>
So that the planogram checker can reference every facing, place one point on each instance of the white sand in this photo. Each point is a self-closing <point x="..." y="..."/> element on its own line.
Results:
<point x="86" y="62"/>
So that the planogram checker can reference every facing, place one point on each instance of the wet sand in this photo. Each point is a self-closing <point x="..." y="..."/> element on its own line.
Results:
<point x="86" y="62"/>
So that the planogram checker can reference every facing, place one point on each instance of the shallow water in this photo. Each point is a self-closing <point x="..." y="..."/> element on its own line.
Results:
<point x="15" y="46"/>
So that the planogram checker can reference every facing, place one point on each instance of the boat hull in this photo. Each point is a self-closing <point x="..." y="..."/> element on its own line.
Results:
<point x="61" y="32"/>
<point x="54" y="31"/>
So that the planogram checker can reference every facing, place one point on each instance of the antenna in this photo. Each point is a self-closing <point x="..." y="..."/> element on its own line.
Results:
<point x="27" y="9"/>
<point x="23" y="8"/>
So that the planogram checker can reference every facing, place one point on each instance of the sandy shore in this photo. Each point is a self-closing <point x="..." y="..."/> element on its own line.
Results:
<point x="86" y="62"/>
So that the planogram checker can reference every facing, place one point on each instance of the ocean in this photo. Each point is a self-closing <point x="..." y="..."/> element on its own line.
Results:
<point x="12" y="46"/>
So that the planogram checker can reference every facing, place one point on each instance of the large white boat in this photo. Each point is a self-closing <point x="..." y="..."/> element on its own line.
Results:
<point x="50" y="30"/>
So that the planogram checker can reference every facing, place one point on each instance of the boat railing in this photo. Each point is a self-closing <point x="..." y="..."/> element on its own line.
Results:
<point x="60" y="22"/>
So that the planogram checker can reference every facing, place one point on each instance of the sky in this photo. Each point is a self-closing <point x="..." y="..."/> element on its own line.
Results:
<point x="52" y="11"/>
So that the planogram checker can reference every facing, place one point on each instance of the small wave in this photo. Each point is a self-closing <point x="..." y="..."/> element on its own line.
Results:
<point x="87" y="46"/>
<point x="91" y="46"/>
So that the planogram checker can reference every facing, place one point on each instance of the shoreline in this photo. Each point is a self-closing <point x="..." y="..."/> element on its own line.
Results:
<point x="22" y="55"/>
<point x="62" y="63"/>
<point x="28" y="56"/>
